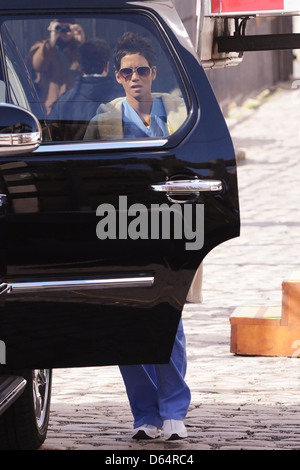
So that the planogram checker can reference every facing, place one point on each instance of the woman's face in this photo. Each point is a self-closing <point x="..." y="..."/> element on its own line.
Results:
<point x="137" y="86"/>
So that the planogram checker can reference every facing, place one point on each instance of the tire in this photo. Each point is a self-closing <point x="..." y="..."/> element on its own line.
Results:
<point x="24" y="425"/>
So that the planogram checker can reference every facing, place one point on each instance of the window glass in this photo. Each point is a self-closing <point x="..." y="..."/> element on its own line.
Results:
<point x="20" y="90"/>
<point x="103" y="78"/>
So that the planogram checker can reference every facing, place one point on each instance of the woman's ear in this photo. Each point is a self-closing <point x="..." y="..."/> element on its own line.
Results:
<point x="154" y="70"/>
<point x="118" y="77"/>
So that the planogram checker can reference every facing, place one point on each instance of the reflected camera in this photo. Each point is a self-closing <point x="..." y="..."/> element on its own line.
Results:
<point x="62" y="28"/>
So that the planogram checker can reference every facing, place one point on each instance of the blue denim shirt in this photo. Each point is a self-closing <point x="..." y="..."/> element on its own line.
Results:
<point x="134" y="127"/>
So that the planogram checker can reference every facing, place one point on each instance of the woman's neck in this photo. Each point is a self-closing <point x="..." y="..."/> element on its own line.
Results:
<point x="143" y="108"/>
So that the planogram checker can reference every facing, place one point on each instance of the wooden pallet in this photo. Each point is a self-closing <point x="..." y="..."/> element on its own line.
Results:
<point x="269" y="331"/>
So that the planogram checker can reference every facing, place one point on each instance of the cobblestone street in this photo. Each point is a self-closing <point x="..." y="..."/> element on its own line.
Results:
<point x="238" y="402"/>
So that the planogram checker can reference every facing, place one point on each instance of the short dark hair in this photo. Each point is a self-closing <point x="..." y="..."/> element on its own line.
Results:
<point x="94" y="55"/>
<point x="131" y="43"/>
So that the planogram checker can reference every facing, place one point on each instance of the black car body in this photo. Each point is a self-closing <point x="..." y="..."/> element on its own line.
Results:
<point x="69" y="297"/>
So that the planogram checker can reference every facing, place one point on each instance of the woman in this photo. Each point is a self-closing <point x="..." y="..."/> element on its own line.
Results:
<point x="158" y="395"/>
<point x="140" y="113"/>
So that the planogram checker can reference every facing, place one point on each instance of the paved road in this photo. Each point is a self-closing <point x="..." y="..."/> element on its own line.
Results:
<point x="237" y="402"/>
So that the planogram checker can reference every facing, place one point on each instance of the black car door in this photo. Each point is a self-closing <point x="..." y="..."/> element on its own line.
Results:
<point x="101" y="239"/>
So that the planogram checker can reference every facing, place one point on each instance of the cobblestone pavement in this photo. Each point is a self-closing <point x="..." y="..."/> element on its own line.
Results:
<point x="237" y="402"/>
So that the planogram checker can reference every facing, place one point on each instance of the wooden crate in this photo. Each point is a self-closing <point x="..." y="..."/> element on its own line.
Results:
<point x="270" y="330"/>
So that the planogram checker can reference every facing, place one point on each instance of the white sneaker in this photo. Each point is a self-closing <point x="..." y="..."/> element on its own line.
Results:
<point x="174" y="429"/>
<point x="147" y="431"/>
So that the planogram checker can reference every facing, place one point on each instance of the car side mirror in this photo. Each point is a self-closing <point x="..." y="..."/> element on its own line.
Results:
<point x="20" y="131"/>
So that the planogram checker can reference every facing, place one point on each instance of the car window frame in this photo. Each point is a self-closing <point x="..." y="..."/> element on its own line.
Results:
<point x="126" y="144"/>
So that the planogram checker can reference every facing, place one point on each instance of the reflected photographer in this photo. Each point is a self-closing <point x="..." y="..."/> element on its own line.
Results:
<point x="55" y="60"/>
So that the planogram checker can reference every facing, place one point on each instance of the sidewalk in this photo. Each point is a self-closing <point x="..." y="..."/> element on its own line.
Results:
<point x="237" y="402"/>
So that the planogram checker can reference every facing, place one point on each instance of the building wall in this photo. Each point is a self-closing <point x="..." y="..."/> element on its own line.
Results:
<point x="258" y="71"/>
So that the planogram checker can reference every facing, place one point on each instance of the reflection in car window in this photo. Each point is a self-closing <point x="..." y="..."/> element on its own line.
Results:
<point x="100" y="78"/>
<point x="19" y="90"/>
<point x="2" y="92"/>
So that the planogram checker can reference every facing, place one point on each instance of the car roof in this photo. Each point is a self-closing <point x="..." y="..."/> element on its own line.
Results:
<point x="82" y="4"/>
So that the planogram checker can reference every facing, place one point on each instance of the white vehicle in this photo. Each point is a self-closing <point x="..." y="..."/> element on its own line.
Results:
<point x="222" y="35"/>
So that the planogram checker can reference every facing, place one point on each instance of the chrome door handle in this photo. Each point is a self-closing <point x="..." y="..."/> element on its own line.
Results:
<point x="188" y="186"/>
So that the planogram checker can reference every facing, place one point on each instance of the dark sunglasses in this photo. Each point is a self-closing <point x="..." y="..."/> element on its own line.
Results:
<point x="127" y="72"/>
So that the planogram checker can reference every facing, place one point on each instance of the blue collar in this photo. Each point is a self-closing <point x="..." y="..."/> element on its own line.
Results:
<point x="134" y="127"/>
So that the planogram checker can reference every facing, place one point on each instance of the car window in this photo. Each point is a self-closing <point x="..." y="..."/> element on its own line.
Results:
<point x="100" y="78"/>
<point x="20" y="90"/>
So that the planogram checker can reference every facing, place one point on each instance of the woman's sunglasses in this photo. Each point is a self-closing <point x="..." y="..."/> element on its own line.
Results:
<point x="127" y="72"/>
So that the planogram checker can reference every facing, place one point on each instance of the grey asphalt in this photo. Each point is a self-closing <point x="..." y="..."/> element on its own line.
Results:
<point x="237" y="402"/>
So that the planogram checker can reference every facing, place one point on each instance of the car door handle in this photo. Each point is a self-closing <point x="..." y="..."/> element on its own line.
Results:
<point x="188" y="186"/>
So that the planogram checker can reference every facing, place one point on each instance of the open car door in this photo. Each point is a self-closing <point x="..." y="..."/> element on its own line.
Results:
<point x="101" y="238"/>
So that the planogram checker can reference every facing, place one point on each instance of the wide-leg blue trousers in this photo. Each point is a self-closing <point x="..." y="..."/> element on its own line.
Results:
<point x="158" y="392"/>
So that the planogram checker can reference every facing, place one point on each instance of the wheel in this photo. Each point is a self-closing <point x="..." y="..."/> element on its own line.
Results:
<point x="24" y="425"/>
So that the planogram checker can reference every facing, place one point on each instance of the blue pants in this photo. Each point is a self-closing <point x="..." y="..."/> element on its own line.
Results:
<point x="158" y="392"/>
